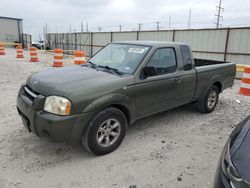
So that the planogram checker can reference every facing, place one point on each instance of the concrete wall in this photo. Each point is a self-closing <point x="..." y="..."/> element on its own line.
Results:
<point x="226" y="44"/>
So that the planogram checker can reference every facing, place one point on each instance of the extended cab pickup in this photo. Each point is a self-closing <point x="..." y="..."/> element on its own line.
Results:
<point x="125" y="81"/>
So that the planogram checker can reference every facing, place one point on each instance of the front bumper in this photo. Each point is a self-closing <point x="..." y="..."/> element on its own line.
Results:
<point x="221" y="180"/>
<point x="54" y="127"/>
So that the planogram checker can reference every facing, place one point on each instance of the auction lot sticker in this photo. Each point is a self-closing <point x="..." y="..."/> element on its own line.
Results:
<point x="137" y="50"/>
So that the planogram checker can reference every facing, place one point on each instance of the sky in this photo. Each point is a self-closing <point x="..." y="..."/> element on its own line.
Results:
<point x="108" y="15"/>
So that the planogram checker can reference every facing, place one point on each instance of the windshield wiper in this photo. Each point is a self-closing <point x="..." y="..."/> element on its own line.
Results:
<point x="111" y="69"/>
<point x="106" y="67"/>
<point x="93" y="65"/>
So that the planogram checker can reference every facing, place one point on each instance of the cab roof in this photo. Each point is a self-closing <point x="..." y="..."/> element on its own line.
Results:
<point x="150" y="43"/>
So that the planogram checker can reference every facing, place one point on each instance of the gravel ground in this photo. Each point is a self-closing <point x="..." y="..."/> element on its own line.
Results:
<point x="178" y="148"/>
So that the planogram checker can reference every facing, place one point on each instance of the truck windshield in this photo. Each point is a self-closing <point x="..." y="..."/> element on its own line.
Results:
<point x="123" y="57"/>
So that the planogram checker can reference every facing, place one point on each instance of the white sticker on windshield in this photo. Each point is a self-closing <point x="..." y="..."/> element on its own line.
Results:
<point x="127" y="68"/>
<point x="137" y="50"/>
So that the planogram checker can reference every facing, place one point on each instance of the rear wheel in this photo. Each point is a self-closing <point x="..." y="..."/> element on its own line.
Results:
<point x="209" y="101"/>
<point x="105" y="132"/>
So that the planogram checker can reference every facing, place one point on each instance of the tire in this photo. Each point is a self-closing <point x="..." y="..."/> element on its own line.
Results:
<point x="206" y="104"/>
<point x="111" y="123"/>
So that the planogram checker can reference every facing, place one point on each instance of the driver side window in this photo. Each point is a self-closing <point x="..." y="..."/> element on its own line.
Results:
<point x="163" y="60"/>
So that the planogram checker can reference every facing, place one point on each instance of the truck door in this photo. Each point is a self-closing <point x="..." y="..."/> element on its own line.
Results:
<point x="188" y="78"/>
<point x="162" y="90"/>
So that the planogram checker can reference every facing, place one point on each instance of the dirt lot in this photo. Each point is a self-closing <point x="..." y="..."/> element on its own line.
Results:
<point x="156" y="151"/>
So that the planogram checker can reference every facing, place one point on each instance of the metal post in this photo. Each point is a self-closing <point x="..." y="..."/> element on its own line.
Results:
<point x="75" y="41"/>
<point x="226" y="45"/>
<point x="68" y="40"/>
<point x="111" y="36"/>
<point x="55" y="41"/>
<point x="91" y="44"/>
<point x="173" y="37"/>
<point x="137" y="35"/>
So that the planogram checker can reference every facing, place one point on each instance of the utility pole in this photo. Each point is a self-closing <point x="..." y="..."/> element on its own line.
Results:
<point x="87" y="27"/>
<point x="169" y="23"/>
<point x="218" y="15"/>
<point x="99" y="29"/>
<point x="189" y="18"/>
<point x="81" y="26"/>
<point x="120" y="28"/>
<point x="157" y="25"/>
<point x="45" y="31"/>
<point x="70" y="28"/>
<point x="46" y="28"/>
<point x="139" y="26"/>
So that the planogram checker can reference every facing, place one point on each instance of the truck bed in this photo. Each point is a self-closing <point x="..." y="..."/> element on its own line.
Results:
<point x="207" y="70"/>
<point x="204" y="62"/>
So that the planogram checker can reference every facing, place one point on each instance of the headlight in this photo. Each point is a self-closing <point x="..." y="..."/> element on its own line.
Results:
<point x="57" y="105"/>
<point x="227" y="166"/>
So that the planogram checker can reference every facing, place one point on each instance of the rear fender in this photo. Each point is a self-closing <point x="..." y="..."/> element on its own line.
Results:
<point x="213" y="80"/>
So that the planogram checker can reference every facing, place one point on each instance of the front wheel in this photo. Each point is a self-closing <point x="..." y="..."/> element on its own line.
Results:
<point x="105" y="132"/>
<point x="209" y="101"/>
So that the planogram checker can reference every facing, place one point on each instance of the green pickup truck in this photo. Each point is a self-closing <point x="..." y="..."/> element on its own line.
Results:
<point x="94" y="103"/>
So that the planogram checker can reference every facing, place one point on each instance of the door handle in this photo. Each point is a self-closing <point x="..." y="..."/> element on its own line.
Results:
<point x="177" y="80"/>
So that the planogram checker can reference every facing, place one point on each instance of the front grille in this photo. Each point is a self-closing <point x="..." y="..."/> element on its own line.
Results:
<point x="30" y="93"/>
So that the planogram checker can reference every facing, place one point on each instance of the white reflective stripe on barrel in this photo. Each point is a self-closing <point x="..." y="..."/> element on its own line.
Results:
<point x="79" y="58"/>
<point x="246" y="75"/>
<point x="244" y="85"/>
<point x="58" y="60"/>
<point x="58" y="54"/>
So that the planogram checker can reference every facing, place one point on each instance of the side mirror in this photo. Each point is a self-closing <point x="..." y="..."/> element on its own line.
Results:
<point x="149" y="71"/>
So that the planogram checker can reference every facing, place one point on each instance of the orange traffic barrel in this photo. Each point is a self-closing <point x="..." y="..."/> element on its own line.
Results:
<point x="33" y="55"/>
<point x="19" y="51"/>
<point x="2" y="52"/>
<point x="79" y="57"/>
<point x="245" y="82"/>
<point x="58" y="58"/>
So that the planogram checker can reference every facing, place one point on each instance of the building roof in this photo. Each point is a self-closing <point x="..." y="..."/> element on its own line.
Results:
<point x="1" y="17"/>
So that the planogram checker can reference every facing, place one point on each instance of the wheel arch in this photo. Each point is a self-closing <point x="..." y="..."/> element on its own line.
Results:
<point x="218" y="84"/>
<point x="124" y="110"/>
<point x="121" y="102"/>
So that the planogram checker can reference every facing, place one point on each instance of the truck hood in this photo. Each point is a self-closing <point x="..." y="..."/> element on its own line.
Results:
<point x="72" y="81"/>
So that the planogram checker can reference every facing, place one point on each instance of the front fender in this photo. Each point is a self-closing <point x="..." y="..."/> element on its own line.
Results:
<point x="109" y="100"/>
